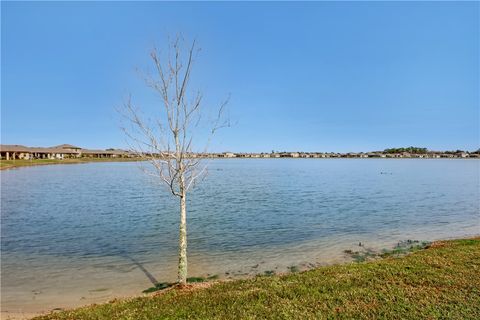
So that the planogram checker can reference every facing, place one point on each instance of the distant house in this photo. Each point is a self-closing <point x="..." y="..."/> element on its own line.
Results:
<point x="14" y="152"/>
<point x="229" y="155"/>
<point x="72" y="151"/>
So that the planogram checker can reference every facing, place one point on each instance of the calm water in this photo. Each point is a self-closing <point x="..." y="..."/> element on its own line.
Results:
<point x="76" y="234"/>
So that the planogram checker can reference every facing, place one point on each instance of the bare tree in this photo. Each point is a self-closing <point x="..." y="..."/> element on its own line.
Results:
<point x="167" y="140"/>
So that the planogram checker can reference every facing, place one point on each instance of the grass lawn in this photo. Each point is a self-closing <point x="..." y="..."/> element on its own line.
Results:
<point x="440" y="282"/>
<point x="7" y="164"/>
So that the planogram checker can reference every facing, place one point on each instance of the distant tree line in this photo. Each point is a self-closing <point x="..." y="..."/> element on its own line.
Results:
<point x="408" y="149"/>
<point x="456" y="151"/>
<point x="417" y="150"/>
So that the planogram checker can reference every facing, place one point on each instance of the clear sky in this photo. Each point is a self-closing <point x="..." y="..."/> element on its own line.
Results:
<point x="302" y="76"/>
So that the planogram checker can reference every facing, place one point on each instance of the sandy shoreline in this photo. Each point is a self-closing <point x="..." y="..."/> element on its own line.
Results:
<point x="102" y="296"/>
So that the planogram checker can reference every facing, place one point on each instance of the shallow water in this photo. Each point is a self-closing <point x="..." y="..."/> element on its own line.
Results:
<point x="77" y="234"/>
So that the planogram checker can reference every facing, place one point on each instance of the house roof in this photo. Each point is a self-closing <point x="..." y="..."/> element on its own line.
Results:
<point x="66" y="146"/>
<point x="13" y="148"/>
<point x="115" y="151"/>
<point x="20" y="148"/>
<point x="51" y="150"/>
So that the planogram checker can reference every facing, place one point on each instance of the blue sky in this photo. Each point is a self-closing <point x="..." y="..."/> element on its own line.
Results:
<point x="302" y="76"/>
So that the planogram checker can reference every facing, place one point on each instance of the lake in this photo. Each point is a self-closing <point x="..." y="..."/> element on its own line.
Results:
<point x="76" y="234"/>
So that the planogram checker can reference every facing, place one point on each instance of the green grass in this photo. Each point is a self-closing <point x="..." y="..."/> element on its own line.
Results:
<point x="7" y="164"/>
<point x="440" y="282"/>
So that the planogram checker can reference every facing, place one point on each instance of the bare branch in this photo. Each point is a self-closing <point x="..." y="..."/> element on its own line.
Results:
<point x="166" y="142"/>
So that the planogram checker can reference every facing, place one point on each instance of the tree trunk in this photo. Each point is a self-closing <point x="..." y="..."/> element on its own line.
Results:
<point x="182" y="251"/>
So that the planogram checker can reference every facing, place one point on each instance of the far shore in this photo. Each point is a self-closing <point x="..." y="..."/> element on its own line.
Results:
<point x="11" y="164"/>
